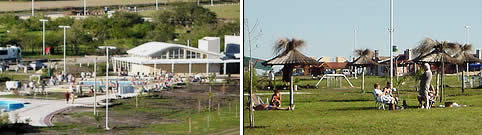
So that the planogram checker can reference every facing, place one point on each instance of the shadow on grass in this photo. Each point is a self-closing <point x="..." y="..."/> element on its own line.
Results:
<point x="346" y="100"/>
<point x="354" y="108"/>
<point x="256" y="127"/>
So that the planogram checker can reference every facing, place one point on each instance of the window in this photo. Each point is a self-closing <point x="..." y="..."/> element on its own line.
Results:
<point x="3" y="52"/>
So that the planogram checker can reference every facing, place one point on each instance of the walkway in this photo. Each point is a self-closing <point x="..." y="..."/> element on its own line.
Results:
<point x="41" y="111"/>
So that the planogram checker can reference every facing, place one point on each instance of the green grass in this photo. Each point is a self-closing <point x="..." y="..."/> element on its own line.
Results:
<point x="155" y="109"/>
<point x="227" y="12"/>
<point x="230" y="12"/>
<point x="348" y="111"/>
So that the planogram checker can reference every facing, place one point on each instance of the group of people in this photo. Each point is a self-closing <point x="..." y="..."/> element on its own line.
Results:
<point x="427" y="93"/>
<point x="274" y="104"/>
<point x="385" y="95"/>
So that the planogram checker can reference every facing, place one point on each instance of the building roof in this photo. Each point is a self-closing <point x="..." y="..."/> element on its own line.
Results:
<point x="152" y="49"/>
<point x="334" y="65"/>
<point x="143" y="60"/>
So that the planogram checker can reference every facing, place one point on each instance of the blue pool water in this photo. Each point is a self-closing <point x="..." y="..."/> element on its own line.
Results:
<point x="99" y="83"/>
<point x="10" y="105"/>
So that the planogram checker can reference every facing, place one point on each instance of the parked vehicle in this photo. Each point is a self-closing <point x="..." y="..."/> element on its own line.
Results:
<point x="10" y="53"/>
<point x="37" y="65"/>
<point x="13" y="85"/>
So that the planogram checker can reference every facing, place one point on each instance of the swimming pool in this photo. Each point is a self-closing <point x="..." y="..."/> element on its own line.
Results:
<point x="99" y="83"/>
<point x="10" y="105"/>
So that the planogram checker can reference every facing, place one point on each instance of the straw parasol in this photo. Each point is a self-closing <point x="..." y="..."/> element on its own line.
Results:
<point x="439" y="53"/>
<point x="289" y="56"/>
<point x="365" y="59"/>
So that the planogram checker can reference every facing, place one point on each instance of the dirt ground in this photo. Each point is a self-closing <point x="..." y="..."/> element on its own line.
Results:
<point x="157" y="108"/>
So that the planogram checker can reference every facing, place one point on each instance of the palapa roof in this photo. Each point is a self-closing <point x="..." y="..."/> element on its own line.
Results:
<point x="364" y="61"/>
<point x="291" y="57"/>
<point x="467" y="58"/>
<point x="436" y="57"/>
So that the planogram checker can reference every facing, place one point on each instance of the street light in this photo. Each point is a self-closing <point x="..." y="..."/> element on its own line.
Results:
<point x="107" y="85"/>
<point x="391" y="43"/>
<point x="43" y="35"/>
<point x="64" y="27"/>
<point x="95" y="86"/>
<point x="85" y="7"/>
<point x="157" y="4"/>
<point x="33" y="8"/>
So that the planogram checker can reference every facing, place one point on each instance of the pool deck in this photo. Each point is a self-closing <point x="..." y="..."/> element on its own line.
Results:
<point x="40" y="112"/>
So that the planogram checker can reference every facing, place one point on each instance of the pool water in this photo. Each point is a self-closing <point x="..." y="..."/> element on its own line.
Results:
<point x="10" y="105"/>
<point x="103" y="83"/>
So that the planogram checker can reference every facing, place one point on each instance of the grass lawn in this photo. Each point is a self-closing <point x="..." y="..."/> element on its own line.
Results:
<point x="349" y="111"/>
<point x="152" y="116"/>
<point x="227" y="12"/>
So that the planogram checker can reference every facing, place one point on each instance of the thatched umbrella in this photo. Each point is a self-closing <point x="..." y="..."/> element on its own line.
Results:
<point x="465" y="57"/>
<point x="365" y="59"/>
<point x="439" y="53"/>
<point x="289" y="56"/>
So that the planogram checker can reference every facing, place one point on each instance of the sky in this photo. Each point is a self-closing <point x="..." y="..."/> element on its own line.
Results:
<point x="327" y="26"/>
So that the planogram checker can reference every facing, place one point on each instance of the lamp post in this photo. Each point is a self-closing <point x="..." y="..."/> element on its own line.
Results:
<point x="391" y="42"/>
<point x="157" y="4"/>
<point x="33" y="12"/>
<point x="107" y="85"/>
<point x="85" y="7"/>
<point x="64" y="27"/>
<point x="43" y="35"/>
<point x="95" y="85"/>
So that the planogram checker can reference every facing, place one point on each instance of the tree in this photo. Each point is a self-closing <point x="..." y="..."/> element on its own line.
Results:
<point x="140" y="30"/>
<point x="15" y="35"/>
<point x="186" y="15"/>
<point x="162" y="33"/>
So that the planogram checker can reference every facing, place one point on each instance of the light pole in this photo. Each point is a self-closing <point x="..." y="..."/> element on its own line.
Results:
<point x="85" y="7"/>
<point x="64" y="27"/>
<point x="33" y="8"/>
<point x="157" y="4"/>
<point x="43" y="35"/>
<point x="354" y="47"/>
<point x="107" y="85"/>
<point x="467" y="33"/>
<point x="95" y="85"/>
<point x="391" y="43"/>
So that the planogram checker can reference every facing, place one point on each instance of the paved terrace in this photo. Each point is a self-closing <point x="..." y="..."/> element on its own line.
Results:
<point x="40" y="111"/>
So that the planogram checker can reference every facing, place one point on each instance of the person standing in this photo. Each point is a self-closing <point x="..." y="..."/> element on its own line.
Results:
<point x="271" y="79"/>
<point x="425" y="82"/>
<point x="67" y="97"/>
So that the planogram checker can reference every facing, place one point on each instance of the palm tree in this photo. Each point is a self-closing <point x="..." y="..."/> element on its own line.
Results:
<point x="289" y="56"/>
<point x="365" y="59"/>
<point x="438" y="53"/>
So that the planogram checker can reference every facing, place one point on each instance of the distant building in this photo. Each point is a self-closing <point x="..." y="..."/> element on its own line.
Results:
<point x="161" y="57"/>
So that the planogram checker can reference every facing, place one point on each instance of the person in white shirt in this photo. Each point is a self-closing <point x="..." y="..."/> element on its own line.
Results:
<point x="381" y="96"/>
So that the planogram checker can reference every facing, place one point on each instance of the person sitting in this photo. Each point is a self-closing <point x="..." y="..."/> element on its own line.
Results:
<point x="381" y="96"/>
<point x="388" y="90"/>
<point x="276" y="99"/>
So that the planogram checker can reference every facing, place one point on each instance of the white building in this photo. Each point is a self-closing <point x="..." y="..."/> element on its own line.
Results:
<point x="161" y="57"/>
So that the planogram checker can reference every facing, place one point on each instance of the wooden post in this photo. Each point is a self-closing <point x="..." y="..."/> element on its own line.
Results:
<point x="219" y="111"/>
<point x="363" y="80"/>
<point x="198" y="105"/>
<point x="291" y="93"/>
<point x="442" y="90"/>
<point x="463" y="81"/>
<point x="190" y="123"/>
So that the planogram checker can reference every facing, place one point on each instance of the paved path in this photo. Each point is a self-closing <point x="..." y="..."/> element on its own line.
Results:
<point x="40" y="111"/>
